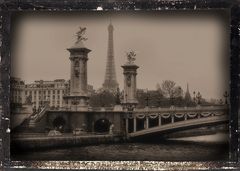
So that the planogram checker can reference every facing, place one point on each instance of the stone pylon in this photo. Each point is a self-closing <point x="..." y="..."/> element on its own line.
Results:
<point x="130" y="83"/>
<point x="78" y="98"/>
<point x="110" y="82"/>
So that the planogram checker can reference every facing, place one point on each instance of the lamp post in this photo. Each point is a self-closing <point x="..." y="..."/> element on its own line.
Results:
<point x="226" y="95"/>
<point x="147" y="98"/>
<point x="179" y="97"/>
<point x="220" y="102"/>
<point x="194" y="97"/>
<point x="101" y="99"/>
<point x="118" y="100"/>
<point x="126" y="98"/>
<point x="41" y="93"/>
<point x="159" y="102"/>
<point x="198" y="96"/>
<point x="172" y="98"/>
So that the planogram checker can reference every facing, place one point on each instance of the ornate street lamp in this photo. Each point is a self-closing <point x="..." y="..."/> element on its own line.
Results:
<point x="198" y="96"/>
<point x="194" y="97"/>
<point x="102" y="104"/>
<point x="226" y="95"/>
<point x="118" y="100"/>
<point x="41" y="93"/>
<point x="147" y="99"/>
<point x="220" y="101"/>
<point x="171" y="99"/>
<point x="159" y="102"/>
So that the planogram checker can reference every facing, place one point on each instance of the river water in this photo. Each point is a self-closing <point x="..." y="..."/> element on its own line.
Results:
<point x="199" y="148"/>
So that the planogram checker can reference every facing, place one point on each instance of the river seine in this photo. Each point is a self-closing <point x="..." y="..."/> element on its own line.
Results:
<point x="199" y="148"/>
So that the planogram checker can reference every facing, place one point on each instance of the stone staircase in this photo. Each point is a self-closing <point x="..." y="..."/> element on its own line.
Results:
<point x="35" y="118"/>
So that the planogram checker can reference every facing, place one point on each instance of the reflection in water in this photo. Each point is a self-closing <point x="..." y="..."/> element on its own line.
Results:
<point x="172" y="150"/>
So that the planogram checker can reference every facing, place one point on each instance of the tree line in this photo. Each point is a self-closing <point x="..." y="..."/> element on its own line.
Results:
<point x="165" y="95"/>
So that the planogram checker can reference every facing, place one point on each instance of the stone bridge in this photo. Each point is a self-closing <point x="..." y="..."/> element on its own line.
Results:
<point x="137" y="123"/>
<point x="141" y="123"/>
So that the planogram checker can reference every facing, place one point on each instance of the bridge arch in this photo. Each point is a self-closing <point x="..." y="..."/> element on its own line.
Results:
<point x="102" y="125"/>
<point x="59" y="123"/>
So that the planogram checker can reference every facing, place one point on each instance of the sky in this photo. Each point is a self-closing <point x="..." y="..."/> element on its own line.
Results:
<point x="186" y="47"/>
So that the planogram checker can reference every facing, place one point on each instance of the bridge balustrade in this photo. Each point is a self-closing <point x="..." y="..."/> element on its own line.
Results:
<point x="139" y="120"/>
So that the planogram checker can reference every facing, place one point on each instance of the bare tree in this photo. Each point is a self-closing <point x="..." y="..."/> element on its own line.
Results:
<point x="168" y="88"/>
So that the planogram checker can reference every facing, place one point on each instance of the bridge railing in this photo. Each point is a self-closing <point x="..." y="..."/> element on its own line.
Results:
<point x="174" y="108"/>
<point x="39" y="114"/>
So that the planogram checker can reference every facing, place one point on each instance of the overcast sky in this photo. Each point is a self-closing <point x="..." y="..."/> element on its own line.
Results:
<point x="183" y="47"/>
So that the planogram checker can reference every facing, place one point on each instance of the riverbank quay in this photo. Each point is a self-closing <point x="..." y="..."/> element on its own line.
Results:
<point x="39" y="141"/>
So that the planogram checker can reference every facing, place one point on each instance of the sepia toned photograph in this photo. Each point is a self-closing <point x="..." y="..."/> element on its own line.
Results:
<point x="120" y="86"/>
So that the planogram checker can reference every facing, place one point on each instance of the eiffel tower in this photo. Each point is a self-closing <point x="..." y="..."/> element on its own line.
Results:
<point x="110" y="82"/>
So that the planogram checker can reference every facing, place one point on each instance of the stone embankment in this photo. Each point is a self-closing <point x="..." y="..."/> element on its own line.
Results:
<point x="66" y="140"/>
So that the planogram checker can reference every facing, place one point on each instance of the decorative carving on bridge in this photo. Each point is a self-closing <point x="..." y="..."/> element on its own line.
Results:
<point x="141" y="116"/>
<point x="205" y="114"/>
<point x="165" y="115"/>
<point x="130" y="116"/>
<point x="153" y="116"/>
<point x="129" y="80"/>
<point x="192" y="115"/>
<point x="179" y="115"/>
<point x="76" y="72"/>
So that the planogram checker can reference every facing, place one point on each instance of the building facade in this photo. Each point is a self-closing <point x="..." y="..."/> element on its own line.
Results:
<point x="39" y="92"/>
<point x="47" y="91"/>
<point x="17" y="91"/>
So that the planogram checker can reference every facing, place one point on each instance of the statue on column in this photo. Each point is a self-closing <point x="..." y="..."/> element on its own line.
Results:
<point x="131" y="57"/>
<point x="80" y="34"/>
